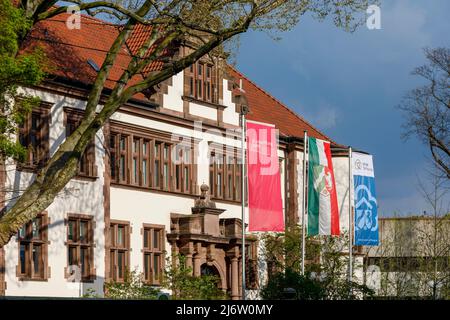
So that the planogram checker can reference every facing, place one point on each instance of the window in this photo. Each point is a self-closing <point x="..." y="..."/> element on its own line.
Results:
<point x="166" y="166"/>
<point x="201" y="81"/>
<point x="34" y="136"/>
<point x="123" y="163"/>
<point x="153" y="252"/>
<point x="33" y="249"/>
<point x="157" y="165"/>
<point x="146" y="161"/>
<point x="86" y="165"/>
<point x="208" y="83"/>
<point x="135" y="166"/>
<point x="183" y="168"/>
<point x="119" y="250"/>
<point x="80" y="245"/>
<point x="225" y="174"/>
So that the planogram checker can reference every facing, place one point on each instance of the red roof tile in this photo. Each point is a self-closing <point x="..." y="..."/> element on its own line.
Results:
<point x="265" y="108"/>
<point x="69" y="50"/>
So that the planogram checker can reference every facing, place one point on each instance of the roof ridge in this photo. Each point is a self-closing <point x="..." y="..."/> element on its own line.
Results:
<point x="281" y="103"/>
<point x="87" y="16"/>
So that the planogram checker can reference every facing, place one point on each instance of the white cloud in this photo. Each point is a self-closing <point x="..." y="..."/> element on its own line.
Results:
<point x="324" y="116"/>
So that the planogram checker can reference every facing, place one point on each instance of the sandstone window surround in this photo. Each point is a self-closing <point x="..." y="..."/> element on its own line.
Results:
<point x="201" y="79"/>
<point x="34" y="136"/>
<point x="150" y="159"/>
<point x="86" y="166"/>
<point x="33" y="244"/>
<point x="153" y="252"/>
<point x="225" y="170"/>
<point x="119" y="250"/>
<point x="80" y="247"/>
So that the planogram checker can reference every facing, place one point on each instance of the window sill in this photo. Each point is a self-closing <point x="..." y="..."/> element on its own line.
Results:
<point x="90" y="279"/>
<point x="81" y="244"/>
<point x="204" y="103"/>
<point x="119" y="248"/>
<point x="85" y="177"/>
<point x="111" y="281"/>
<point x="28" y="168"/>
<point x="34" y="241"/>
<point x="130" y="186"/>
<point x="25" y="278"/>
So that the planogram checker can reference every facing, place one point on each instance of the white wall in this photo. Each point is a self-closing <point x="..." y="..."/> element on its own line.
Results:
<point x="230" y="115"/>
<point x="172" y="100"/>
<point x="155" y="208"/>
<point x="86" y="197"/>
<point x="202" y="111"/>
<point x="134" y="205"/>
<point x="83" y="197"/>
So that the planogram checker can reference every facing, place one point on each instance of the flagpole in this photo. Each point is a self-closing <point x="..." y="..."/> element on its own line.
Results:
<point x="305" y="143"/>
<point x="350" y="219"/>
<point x="243" y="112"/>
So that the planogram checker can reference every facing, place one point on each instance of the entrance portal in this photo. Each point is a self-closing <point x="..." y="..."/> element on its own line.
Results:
<point x="211" y="245"/>
<point x="206" y="270"/>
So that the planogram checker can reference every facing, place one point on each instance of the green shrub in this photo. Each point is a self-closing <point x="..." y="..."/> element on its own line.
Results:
<point x="184" y="286"/>
<point x="133" y="287"/>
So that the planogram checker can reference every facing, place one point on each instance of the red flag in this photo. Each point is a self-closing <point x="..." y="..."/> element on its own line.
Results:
<point x="264" y="183"/>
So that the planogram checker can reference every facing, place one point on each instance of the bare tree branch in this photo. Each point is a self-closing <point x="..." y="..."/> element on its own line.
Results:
<point x="215" y="21"/>
<point x="427" y="108"/>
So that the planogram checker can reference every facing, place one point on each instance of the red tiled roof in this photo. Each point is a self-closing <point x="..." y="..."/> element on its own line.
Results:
<point x="265" y="108"/>
<point x="136" y="40"/>
<point x="69" y="50"/>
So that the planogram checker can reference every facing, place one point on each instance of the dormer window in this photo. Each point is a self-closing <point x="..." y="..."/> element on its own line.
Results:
<point x="202" y="82"/>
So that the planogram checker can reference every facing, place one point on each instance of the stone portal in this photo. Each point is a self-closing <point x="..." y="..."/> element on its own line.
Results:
<point x="210" y="244"/>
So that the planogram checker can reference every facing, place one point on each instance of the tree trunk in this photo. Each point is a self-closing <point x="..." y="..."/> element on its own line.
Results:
<point x="62" y="166"/>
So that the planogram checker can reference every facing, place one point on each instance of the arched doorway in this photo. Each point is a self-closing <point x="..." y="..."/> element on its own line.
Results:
<point x="211" y="270"/>
<point x="210" y="244"/>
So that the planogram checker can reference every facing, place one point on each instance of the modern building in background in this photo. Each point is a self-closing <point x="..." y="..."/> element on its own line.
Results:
<point x="413" y="257"/>
<point x="138" y="197"/>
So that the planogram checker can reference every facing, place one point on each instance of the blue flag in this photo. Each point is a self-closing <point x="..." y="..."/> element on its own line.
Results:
<point x="366" y="213"/>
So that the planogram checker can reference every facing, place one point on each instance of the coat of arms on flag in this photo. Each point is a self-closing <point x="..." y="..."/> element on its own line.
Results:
<point x="323" y="213"/>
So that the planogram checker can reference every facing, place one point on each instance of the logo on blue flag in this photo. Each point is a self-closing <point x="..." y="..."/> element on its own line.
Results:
<point x="366" y="213"/>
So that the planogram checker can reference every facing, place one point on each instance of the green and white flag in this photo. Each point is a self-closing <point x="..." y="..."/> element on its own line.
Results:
<point x="323" y="213"/>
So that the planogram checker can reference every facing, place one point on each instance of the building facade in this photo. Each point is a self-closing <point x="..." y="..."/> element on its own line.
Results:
<point x="413" y="258"/>
<point x="138" y="194"/>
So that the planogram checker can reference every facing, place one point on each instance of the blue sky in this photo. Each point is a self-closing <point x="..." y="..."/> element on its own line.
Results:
<point x="349" y="84"/>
